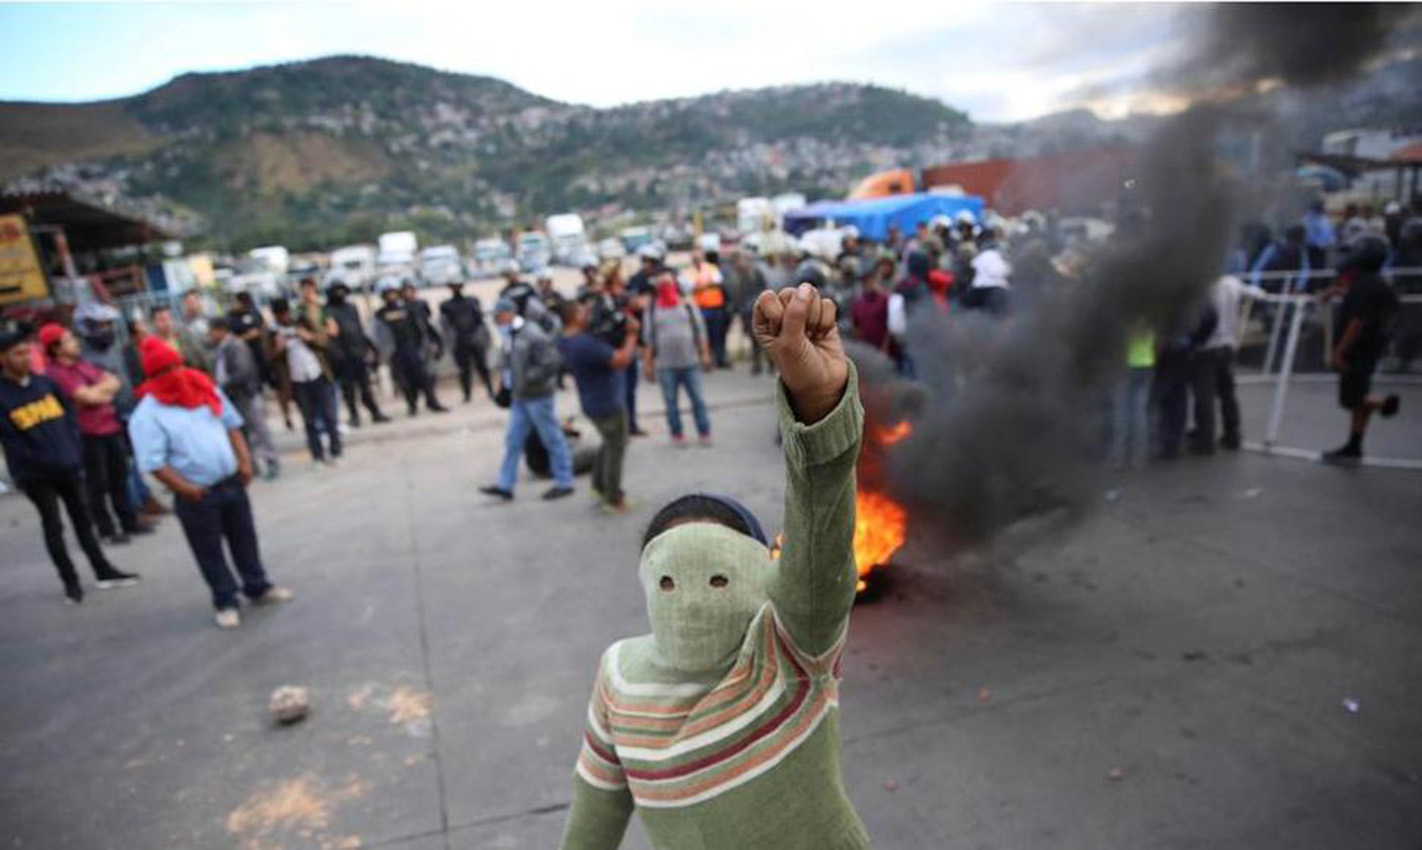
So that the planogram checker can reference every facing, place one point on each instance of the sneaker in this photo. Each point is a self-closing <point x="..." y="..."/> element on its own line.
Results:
<point x="274" y="595"/>
<point x="1230" y="444"/>
<point x="1390" y="406"/>
<point x="495" y="490"/>
<point x="1348" y="454"/>
<point x="618" y="508"/>
<point x="704" y="441"/>
<point x="273" y="471"/>
<point x="227" y="618"/>
<point x="118" y="538"/>
<point x="438" y="408"/>
<point x="117" y="578"/>
<point x="639" y="432"/>
<point x="141" y="529"/>
<point x="678" y="441"/>
<point x="73" y="594"/>
<point x="557" y="493"/>
<point x="380" y="419"/>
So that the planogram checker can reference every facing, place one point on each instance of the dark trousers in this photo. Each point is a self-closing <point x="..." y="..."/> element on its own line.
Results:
<point x="47" y="493"/>
<point x="414" y="379"/>
<point x="317" y="400"/>
<point x="224" y="514"/>
<point x="106" y="473"/>
<point x="607" y="469"/>
<point x="354" y="377"/>
<point x="717" y="323"/>
<point x="1170" y="393"/>
<point x="757" y="355"/>
<point x="630" y="381"/>
<point x="1212" y="380"/>
<point x="471" y="357"/>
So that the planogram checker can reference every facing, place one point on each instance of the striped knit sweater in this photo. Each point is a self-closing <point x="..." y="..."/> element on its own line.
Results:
<point x="749" y="756"/>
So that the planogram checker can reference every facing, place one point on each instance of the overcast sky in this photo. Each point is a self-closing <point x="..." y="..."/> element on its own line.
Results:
<point x="998" y="62"/>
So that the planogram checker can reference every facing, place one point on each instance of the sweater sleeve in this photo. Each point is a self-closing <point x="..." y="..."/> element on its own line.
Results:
<point x="814" y="587"/>
<point x="602" y="804"/>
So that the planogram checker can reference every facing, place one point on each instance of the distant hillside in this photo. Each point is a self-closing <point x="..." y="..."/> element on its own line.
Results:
<point x="315" y="153"/>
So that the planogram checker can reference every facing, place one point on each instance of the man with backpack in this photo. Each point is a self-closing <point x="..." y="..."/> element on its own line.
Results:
<point x="676" y="350"/>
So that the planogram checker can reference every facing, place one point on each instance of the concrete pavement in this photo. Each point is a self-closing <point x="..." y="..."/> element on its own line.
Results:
<point x="1169" y="674"/>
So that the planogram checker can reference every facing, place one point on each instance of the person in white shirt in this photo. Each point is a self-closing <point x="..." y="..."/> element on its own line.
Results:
<point x="1212" y="368"/>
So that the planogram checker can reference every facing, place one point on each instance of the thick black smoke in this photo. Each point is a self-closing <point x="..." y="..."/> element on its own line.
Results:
<point x="1007" y="413"/>
<point x="1243" y="45"/>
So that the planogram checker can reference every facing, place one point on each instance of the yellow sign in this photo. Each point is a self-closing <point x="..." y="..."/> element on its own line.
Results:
<point x="21" y="278"/>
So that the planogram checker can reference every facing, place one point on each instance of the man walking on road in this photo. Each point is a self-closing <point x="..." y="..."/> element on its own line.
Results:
<point x="92" y="392"/>
<point x="676" y="350"/>
<point x="462" y="319"/>
<point x="528" y="372"/>
<point x="302" y="341"/>
<point x="42" y="451"/>
<point x="599" y="371"/>
<point x="188" y="435"/>
<point x="1368" y="310"/>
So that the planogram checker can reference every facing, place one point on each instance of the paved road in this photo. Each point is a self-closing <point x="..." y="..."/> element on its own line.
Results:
<point x="1195" y="639"/>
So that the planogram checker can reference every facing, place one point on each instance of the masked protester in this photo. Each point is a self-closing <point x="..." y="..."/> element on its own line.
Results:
<point x="462" y="320"/>
<point x="721" y="727"/>
<point x="187" y="434"/>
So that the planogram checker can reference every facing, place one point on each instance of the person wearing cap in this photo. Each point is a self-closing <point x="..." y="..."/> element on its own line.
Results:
<point x="39" y="430"/>
<point x="720" y="728"/>
<point x="352" y="353"/>
<point x="403" y="333"/>
<point x="236" y="372"/>
<point x="461" y="318"/>
<point x="188" y="435"/>
<point x="92" y="392"/>
<point x="528" y="372"/>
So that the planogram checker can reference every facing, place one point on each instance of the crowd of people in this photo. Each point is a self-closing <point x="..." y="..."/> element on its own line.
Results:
<point x="88" y="415"/>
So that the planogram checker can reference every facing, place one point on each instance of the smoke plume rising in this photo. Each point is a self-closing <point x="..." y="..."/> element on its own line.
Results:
<point x="1007" y="413"/>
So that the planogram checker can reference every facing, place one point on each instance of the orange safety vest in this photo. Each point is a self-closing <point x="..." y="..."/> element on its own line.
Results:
<point x="708" y="293"/>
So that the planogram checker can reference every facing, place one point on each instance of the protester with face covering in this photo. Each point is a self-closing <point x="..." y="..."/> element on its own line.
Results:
<point x="92" y="392"/>
<point x="528" y="372"/>
<point x="351" y="353"/>
<point x="44" y="453"/>
<point x="743" y="646"/>
<point x="188" y="435"/>
<point x="676" y="351"/>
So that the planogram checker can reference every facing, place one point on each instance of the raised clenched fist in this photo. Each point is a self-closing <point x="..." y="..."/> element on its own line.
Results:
<point x="798" y="330"/>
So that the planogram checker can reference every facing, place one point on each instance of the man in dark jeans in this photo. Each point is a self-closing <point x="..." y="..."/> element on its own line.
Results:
<point x="462" y="319"/>
<point x="599" y="371"/>
<point x="302" y="341"/>
<point x="92" y="391"/>
<point x="351" y="352"/>
<point x="40" y="434"/>
<point x="188" y="435"/>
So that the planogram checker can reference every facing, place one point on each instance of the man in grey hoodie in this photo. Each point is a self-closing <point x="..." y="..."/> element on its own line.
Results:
<point x="528" y="373"/>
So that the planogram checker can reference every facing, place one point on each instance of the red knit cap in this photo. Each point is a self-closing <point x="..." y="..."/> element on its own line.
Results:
<point x="158" y="355"/>
<point x="51" y="333"/>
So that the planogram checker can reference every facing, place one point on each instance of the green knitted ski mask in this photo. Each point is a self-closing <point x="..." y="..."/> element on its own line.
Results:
<point x="704" y="583"/>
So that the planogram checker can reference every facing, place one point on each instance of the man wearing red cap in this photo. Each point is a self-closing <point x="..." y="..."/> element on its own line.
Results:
<point x="42" y="451"/>
<point x="188" y="435"/>
<point x="92" y="390"/>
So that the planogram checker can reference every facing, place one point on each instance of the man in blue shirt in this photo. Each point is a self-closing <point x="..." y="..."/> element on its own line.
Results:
<point x="188" y="435"/>
<point x="599" y="371"/>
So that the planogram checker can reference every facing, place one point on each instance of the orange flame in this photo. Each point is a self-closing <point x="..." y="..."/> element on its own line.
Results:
<point x="880" y="525"/>
<point x="887" y="435"/>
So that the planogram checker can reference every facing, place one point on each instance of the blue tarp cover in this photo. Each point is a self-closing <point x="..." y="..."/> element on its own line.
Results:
<point x="874" y="216"/>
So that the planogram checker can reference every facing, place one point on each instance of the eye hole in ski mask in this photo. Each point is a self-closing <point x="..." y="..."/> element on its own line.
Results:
<point x="719" y="576"/>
